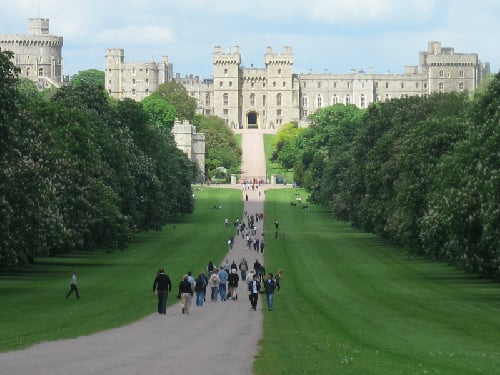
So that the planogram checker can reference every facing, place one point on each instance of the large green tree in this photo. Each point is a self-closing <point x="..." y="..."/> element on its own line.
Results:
<point x="221" y="147"/>
<point x="176" y="94"/>
<point x="159" y="110"/>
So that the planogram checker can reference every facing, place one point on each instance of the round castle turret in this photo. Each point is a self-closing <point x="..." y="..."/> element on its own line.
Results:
<point x="38" y="55"/>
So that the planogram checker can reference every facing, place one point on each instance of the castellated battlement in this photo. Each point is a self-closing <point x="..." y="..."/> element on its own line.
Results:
<point x="232" y="57"/>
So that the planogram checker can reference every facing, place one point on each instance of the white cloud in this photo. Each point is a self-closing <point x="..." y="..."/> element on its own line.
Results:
<point x="135" y="35"/>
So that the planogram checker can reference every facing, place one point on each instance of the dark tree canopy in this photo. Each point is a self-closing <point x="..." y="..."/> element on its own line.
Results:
<point x="175" y="93"/>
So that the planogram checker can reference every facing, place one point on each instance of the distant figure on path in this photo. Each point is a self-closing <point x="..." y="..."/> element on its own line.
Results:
<point x="186" y="292"/>
<point x="162" y="286"/>
<point x="73" y="286"/>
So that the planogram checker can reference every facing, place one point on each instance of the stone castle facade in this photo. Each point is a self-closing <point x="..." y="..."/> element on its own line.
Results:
<point x="134" y="80"/>
<point x="192" y="143"/>
<point x="266" y="98"/>
<point x="38" y="55"/>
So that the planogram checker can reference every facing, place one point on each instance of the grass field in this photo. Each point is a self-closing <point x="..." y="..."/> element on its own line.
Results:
<point x="115" y="288"/>
<point x="351" y="303"/>
<point x="275" y="168"/>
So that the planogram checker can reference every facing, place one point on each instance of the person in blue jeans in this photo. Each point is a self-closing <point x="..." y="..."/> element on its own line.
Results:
<point x="223" y="277"/>
<point x="201" y="289"/>
<point x="269" y="286"/>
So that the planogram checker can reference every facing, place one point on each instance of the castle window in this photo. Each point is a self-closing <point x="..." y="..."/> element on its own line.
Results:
<point x="387" y="97"/>
<point x="279" y="72"/>
<point x="225" y="99"/>
<point x="28" y="71"/>
<point x="441" y="87"/>
<point x="362" y="85"/>
<point x="207" y="112"/>
<point x="347" y="100"/>
<point x="319" y="85"/>
<point x="334" y="85"/>
<point x="230" y="84"/>
<point x="425" y="85"/>
<point x="264" y="100"/>
<point x="461" y="74"/>
<point x="319" y="101"/>
<point x="284" y="83"/>
<point x="226" y="112"/>
<point x="220" y="84"/>
<point x="449" y="75"/>
<point x="416" y="85"/>
<point x="348" y="84"/>
<point x="304" y="85"/>
<point x="146" y="92"/>
<point x="225" y="72"/>
<point x="252" y="84"/>
<point x="304" y="101"/>
<point x="133" y="81"/>
<point x="402" y="85"/>
<point x="362" y="102"/>
<point x="252" y="100"/>
<point x="441" y="74"/>
<point x="387" y="85"/>
<point x="274" y="84"/>
<point x="147" y="71"/>
<point x="461" y="86"/>
<point x="279" y="112"/>
<point x="207" y="100"/>
<point x="147" y="82"/>
<point x="133" y="71"/>
<point x="304" y="113"/>
<point x="278" y="100"/>
<point x="376" y="85"/>
<point x="40" y="72"/>
<point x="133" y="92"/>
<point x="335" y="99"/>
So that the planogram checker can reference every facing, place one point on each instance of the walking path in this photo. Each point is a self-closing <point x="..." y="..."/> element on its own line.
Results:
<point x="218" y="338"/>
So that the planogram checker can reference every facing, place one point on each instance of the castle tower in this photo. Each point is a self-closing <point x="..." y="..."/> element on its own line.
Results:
<point x="115" y="58"/>
<point x="226" y="89"/>
<point x="38" y="55"/>
<point x="282" y="88"/>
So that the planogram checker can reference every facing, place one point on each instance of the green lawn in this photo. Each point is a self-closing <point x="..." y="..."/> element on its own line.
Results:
<point x="353" y="304"/>
<point x="115" y="288"/>
<point x="275" y="168"/>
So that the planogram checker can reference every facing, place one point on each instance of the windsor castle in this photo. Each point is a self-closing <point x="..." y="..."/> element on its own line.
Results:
<point x="249" y="97"/>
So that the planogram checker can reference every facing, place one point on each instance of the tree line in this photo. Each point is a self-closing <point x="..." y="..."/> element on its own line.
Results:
<point x="79" y="171"/>
<point x="421" y="171"/>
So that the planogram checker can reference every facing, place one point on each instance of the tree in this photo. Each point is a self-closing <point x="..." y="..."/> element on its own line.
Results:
<point x="90" y="76"/>
<point x="176" y="94"/>
<point x="221" y="147"/>
<point x="160" y="111"/>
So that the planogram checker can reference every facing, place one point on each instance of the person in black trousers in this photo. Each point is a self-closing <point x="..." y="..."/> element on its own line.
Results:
<point x="162" y="285"/>
<point x="254" y="289"/>
<point x="73" y="286"/>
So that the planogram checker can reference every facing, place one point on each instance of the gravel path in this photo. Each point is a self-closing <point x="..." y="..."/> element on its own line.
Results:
<point x="218" y="338"/>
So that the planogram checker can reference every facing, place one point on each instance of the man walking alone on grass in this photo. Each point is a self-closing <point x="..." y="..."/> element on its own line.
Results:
<point x="162" y="285"/>
<point x="73" y="286"/>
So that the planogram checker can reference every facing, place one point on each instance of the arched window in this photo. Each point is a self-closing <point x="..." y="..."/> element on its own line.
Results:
<point x="207" y="100"/>
<point x="441" y="87"/>
<point x="335" y="99"/>
<point x="225" y="99"/>
<point x="461" y="74"/>
<point x="305" y="102"/>
<point x="461" y="86"/>
<point x="252" y="100"/>
<point x="28" y="71"/>
<point x="319" y="101"/>
<point x="278" y="100"/>
<point x="40" y="72"/>
<point x="441" y="74"/>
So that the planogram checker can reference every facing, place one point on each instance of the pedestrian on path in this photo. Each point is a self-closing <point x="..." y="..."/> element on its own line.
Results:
<point x="186" y="292"/>
<point x="161" y="286"/>
<point x="269" y="286"/>
<point x="254" y="289"/>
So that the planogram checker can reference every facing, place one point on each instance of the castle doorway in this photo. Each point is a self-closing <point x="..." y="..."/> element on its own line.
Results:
<point x="252" y="120"/>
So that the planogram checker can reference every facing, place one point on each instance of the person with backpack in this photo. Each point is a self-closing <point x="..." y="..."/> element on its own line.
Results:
<point x="214" y="285"/>
<point x="201" y="289"/>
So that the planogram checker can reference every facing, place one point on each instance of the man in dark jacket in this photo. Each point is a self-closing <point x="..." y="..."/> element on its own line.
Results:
<point x="162" y="286"/>
<point x="269" y="286"/>
<point x="254" y="289"/>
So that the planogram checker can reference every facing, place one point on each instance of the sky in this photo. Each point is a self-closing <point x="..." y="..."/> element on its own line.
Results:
<point x="331" y="35"/>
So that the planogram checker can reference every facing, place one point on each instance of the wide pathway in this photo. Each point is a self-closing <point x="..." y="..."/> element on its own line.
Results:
<point x="218" y="338"/>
